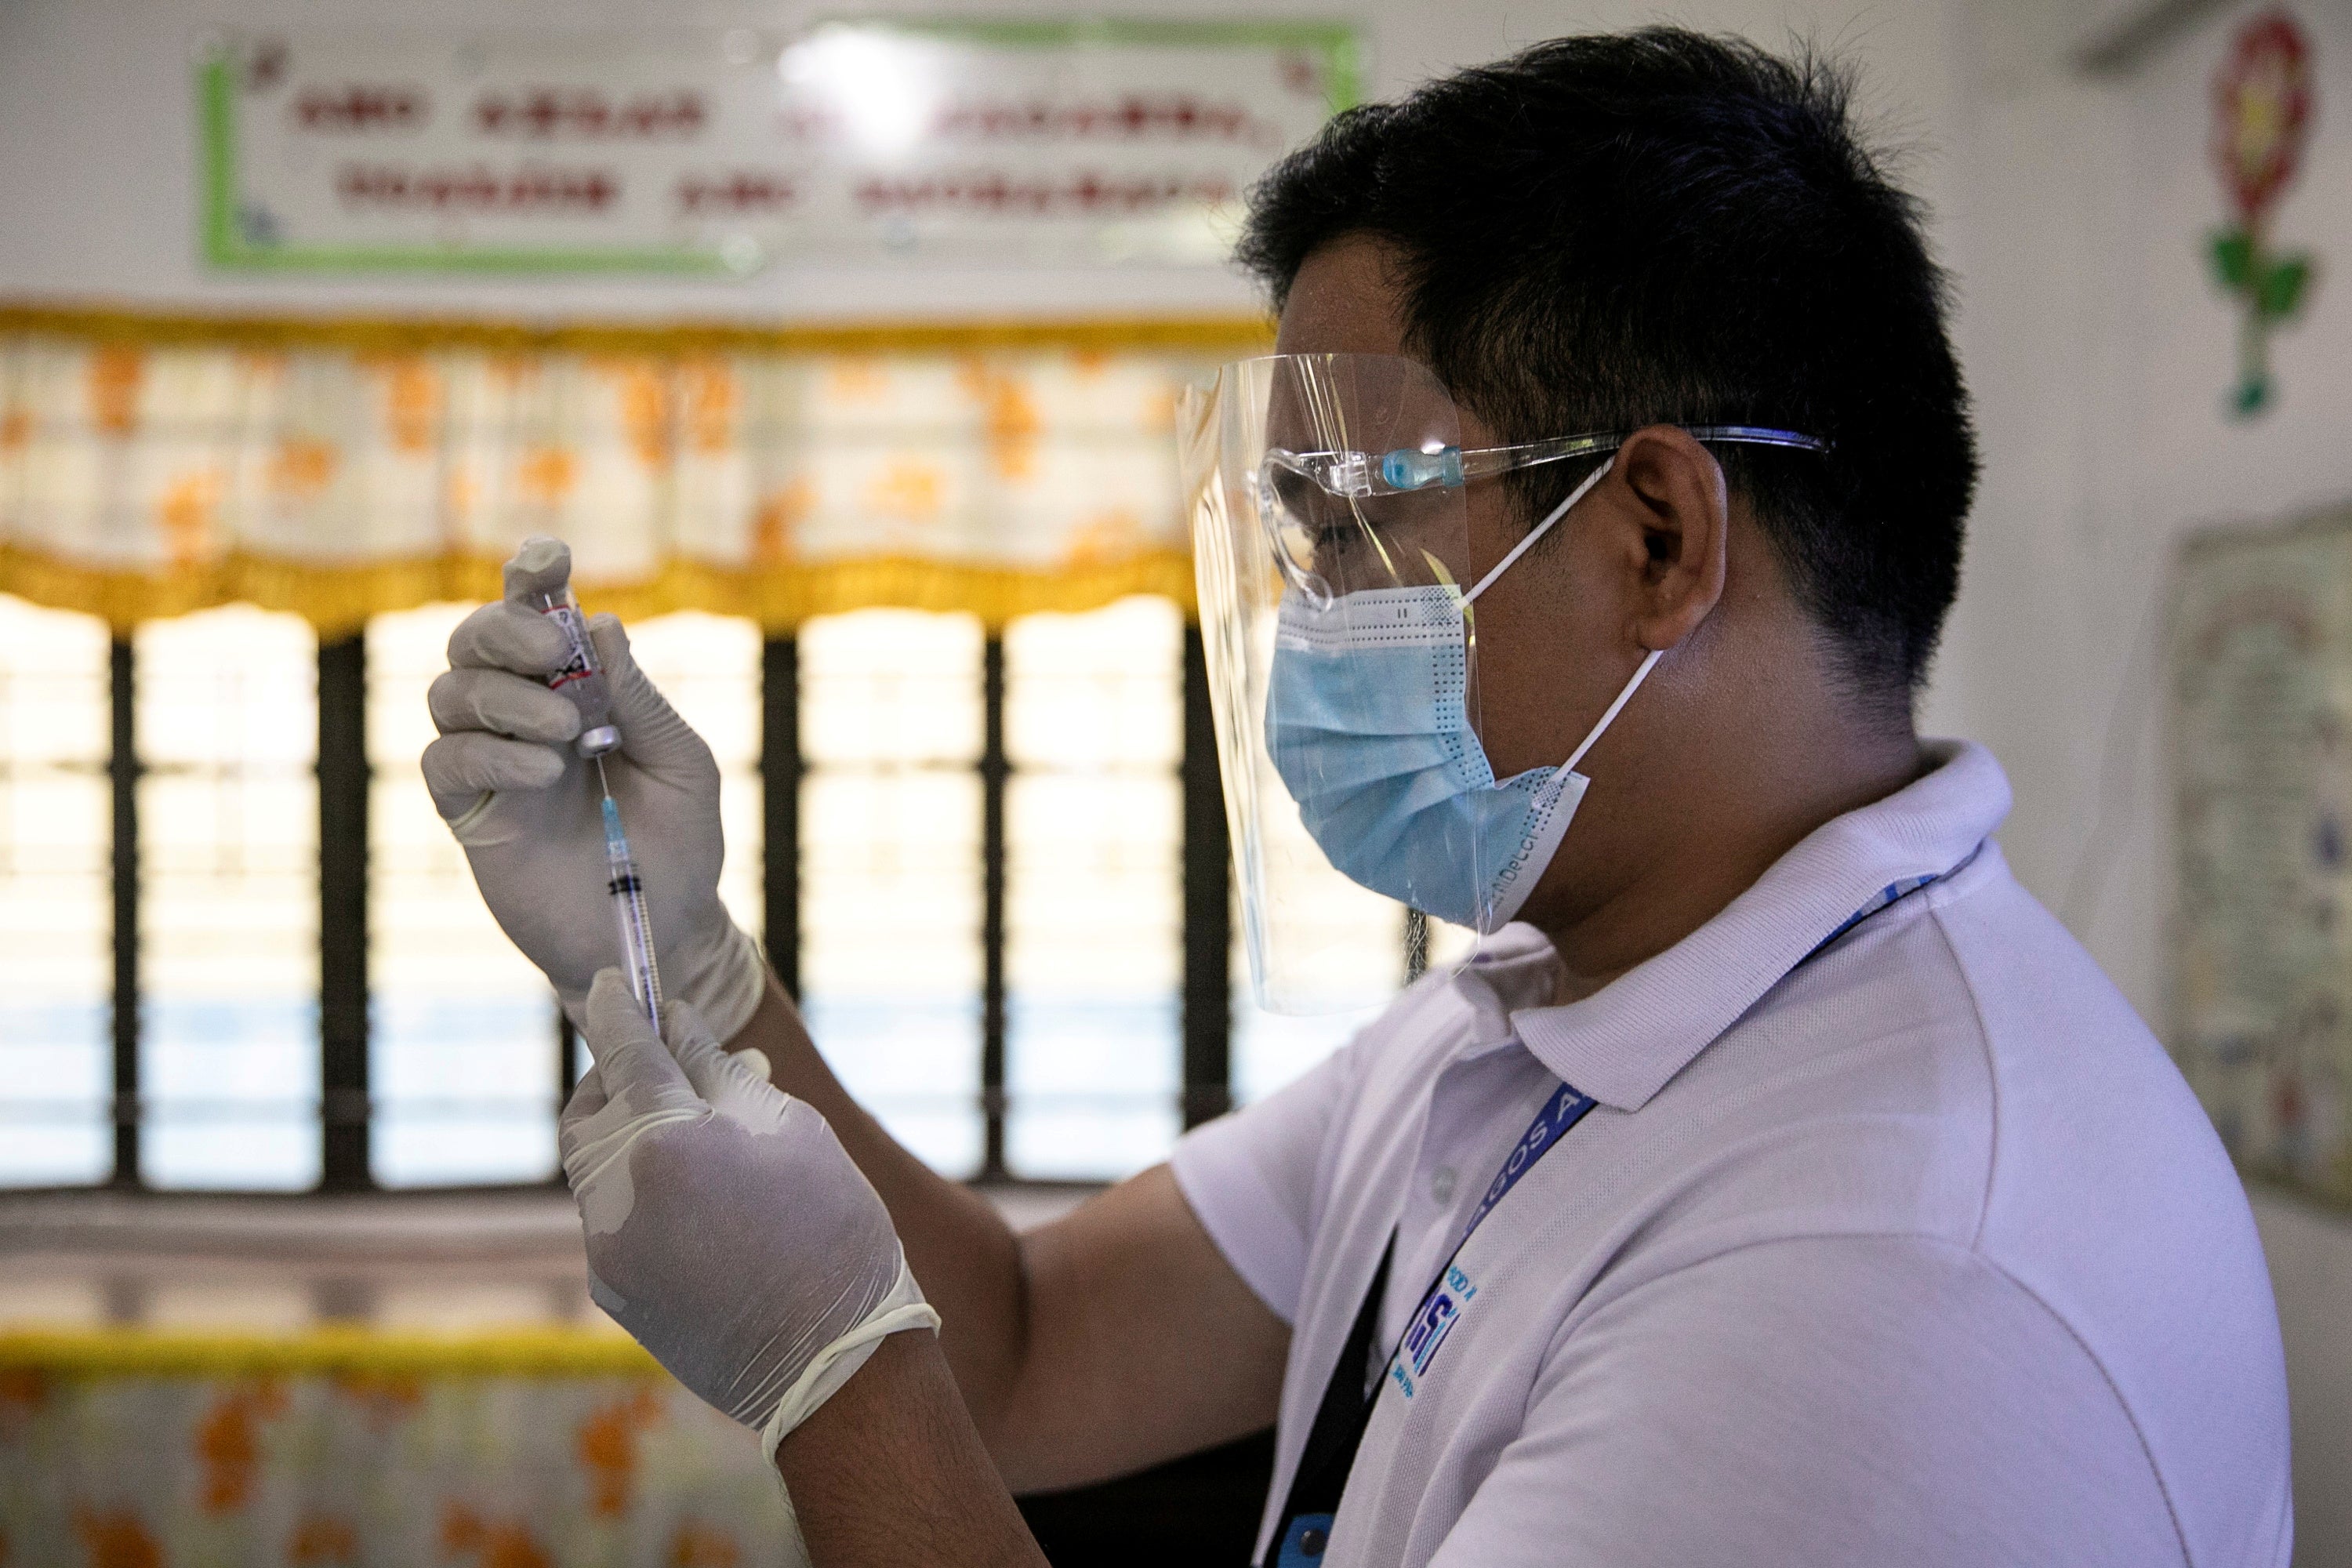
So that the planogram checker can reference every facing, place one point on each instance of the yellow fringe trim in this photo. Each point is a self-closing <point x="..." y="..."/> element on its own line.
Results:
<point x="339" y="600"/>
<point x="502" y="1352"/>
<point x="1225" y="335"/>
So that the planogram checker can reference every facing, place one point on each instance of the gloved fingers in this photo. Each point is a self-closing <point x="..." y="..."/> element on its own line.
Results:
<point x="507" y="635"/>
<point x="652" y="733"/>
<point x="460" y="769"/>
<point x="579" y="1126"/>
<point x="541" y="565"/>
<point x="632" y="1062"/>
<point x="723" y="972"/>
<point x="588" y="1098"/>
<point x="706" y="1064"/>
<point x="504" y="704"/>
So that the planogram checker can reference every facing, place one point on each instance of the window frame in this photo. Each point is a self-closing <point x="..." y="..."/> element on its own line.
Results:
<point x="346" y="1109"/>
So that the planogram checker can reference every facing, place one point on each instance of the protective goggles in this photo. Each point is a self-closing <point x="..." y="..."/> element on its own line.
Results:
<point x="1324" y="494"/>
<point x="1357" y="443"/>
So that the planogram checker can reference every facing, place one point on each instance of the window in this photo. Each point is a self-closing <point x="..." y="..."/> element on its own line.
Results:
<point x="56" y="947"/>
<point x="709" y="667"/>
<point x="229" y="901"/>
<point x="1094" y="937"/>
<point x="993" y="867"/>
<point x="464" y="1049"/>
<point x="893" y="725"/>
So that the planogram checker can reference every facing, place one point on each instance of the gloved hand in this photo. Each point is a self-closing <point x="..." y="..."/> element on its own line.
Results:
<point x="727" y="1228"/>
<point x="524" y="803"/>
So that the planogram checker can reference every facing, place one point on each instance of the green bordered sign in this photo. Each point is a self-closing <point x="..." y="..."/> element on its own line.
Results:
<point x="851" y="143"/>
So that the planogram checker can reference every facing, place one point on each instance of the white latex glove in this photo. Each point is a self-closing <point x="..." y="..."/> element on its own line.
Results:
<point x="524" y="803"/>
<point x="728" y="1230"/>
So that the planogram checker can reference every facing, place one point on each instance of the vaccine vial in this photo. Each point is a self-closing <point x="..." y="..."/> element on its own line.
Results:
<point x="582" y="679"/>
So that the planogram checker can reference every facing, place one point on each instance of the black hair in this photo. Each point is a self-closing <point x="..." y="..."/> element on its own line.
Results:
<point x="1662" y="227"/>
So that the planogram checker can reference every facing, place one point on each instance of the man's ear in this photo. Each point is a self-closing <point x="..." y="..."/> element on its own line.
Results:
<point x="1670" y="493"/>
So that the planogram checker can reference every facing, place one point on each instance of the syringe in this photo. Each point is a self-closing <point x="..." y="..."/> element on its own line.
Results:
<point x="629" y="907"/>
<point x="582" y="680"/>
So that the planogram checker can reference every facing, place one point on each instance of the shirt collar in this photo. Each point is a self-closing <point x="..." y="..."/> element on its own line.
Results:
<point x="1512" y="972"/>
<point x="1624" y="1042"/>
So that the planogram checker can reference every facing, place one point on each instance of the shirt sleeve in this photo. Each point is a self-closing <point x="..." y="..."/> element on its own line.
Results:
<point x="1852" y="1400"/>
<point x="1249" y="1179"/>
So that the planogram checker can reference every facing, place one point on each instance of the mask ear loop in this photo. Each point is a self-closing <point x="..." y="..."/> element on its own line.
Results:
<point x="1539" y="529"/>
<point x="1626" y="693"/>
<point x="1649" y="663"/>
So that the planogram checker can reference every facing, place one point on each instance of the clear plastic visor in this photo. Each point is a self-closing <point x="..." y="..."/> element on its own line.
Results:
<point x="1290" y="466"/>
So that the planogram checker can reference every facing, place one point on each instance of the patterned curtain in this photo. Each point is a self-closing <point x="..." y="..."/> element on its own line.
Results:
<point x="336" y="1449"/>
<point x="151" y="466"/>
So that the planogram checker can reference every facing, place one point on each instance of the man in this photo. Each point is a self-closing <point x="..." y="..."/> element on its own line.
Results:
<point x="1840" y="1210"/>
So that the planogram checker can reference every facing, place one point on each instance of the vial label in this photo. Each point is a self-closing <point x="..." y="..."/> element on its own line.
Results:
<point x="582" y="681"/>
<point x="575" y="634"/>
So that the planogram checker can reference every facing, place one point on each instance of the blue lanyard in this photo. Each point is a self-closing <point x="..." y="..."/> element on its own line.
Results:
<point x="1901" y="889"/>
<point x="1441" y="1305"/>
<point x="1560" y="1112"/>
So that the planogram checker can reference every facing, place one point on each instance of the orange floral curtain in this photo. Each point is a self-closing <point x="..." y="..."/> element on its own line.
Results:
<point x="149" y="467"/>
<point x="521" y="1450"/>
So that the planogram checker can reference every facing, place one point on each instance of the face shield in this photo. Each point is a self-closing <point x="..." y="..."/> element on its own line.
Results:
<point x="1337" y="581"/>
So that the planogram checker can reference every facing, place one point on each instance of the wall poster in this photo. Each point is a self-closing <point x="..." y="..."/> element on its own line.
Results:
<point x="2262" y="756"/>
<point x="850" y="142"/>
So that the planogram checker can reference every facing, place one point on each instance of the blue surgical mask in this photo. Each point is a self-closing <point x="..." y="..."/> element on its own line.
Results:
<point x="1367" y="721"/>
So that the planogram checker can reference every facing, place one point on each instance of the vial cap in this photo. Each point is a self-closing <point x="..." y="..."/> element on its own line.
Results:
<point x="595" y="742"/>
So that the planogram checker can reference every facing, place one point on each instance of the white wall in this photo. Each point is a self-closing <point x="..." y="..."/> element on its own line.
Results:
<point x="96" y="154"/>
<point x="2071" y="209"/>
<point x="2100" y="355"/>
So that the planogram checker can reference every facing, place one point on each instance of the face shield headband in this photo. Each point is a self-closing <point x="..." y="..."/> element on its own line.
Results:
<point x="1330" y="541"/>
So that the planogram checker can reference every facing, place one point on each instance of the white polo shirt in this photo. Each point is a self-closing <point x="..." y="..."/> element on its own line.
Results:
<point x="1918" y="1251"/>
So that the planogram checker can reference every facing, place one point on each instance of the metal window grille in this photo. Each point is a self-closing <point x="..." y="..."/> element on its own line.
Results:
<point x="1049" y="982"/>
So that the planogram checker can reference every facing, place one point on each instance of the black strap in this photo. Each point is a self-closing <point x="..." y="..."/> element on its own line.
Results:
<point x="1346" y="1411"/>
